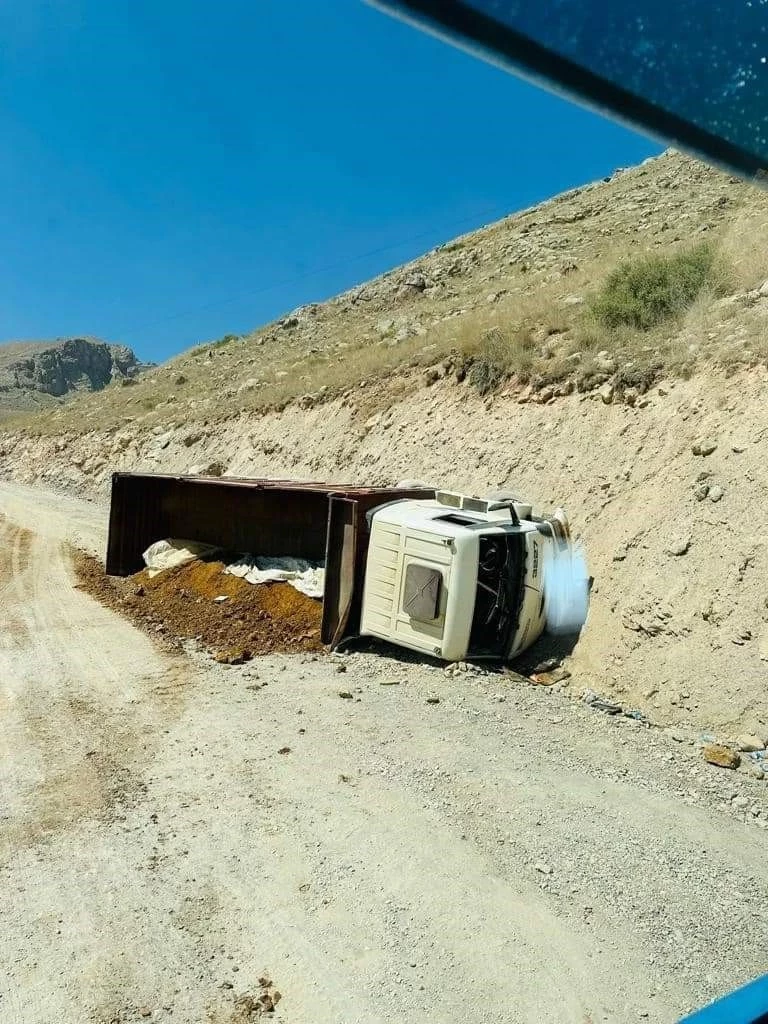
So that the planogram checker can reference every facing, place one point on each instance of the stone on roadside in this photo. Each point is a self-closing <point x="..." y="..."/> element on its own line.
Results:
<point x="704" y="448"/>
<point x="679" y="546"/>
<point x="720" y="755"/>
<point x="556" y="675"/>
<point x="606" y="392"/>
<point x="749" y="744"/>
<point x="233" y="656"/>
<point x="542" y="679"/>
<point x="716" y="493"/>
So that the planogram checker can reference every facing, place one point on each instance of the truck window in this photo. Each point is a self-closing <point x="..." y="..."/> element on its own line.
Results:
<point x="499" y="594"/>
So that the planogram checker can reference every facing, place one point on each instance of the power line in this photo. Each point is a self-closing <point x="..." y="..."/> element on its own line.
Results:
<point x="313" y="271"/>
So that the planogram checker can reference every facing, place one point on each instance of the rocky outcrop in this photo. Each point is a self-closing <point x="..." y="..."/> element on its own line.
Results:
<point x="30" y="371"/>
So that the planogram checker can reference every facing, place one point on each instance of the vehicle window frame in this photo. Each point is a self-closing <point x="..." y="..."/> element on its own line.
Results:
<point x="494" y="41"/>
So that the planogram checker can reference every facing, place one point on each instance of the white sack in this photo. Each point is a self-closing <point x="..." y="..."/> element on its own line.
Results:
<point x="165" y="554"/>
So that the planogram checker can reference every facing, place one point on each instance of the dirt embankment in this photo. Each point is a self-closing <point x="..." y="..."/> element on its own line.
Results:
<point x="678" y="622"/>
<point x="233" y="619"/>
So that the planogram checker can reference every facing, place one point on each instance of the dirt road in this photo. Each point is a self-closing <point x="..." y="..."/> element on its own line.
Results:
<point x="504" y="855"/>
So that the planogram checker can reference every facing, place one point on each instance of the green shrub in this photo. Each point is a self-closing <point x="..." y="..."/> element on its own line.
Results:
<point x="647" y="290"/>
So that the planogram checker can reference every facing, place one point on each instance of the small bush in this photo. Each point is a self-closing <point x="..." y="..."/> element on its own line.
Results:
<point x="645" y="291"/>
<point x="226" y="340"/>
<point x="498" y="355"/>
<point x="485" y="375"/>
<point x="640" y="377"/>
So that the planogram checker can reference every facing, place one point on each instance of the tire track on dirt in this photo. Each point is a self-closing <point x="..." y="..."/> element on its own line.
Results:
<point x="85" y="703"/>
<point x="15" y="544"/>
<point x="507" y="855"/>
<point x="80" y="690"/>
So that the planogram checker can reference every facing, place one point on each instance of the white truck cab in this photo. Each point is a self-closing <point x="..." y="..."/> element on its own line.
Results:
<point x="458" y="576"/>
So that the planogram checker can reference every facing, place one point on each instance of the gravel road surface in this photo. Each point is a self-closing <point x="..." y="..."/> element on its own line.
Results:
<point x="173" y="833"/>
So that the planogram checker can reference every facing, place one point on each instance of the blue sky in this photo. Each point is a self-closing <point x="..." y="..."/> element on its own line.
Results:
<point x="171" y="172"/>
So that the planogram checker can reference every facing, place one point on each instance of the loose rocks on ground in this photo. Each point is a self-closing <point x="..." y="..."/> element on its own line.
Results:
<point x="720" y="755"/>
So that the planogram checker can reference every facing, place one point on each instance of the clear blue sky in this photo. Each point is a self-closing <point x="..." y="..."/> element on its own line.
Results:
<point x="171" y="172"/>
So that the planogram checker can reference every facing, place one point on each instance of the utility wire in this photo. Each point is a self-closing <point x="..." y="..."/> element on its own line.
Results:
<point x="313" y="271"/>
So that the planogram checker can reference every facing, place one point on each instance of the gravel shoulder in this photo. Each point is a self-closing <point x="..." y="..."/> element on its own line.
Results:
<point x="505" y="854"/>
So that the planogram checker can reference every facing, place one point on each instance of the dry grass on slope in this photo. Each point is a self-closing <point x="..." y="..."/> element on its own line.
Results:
<point x="655" y="273"/>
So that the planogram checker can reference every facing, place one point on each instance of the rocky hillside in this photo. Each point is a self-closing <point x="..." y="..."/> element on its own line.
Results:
<point x="535" y="271"/>
<point x="484" y="365"/>
<point x="32" y="374"/>
<point x="678" y="622"/>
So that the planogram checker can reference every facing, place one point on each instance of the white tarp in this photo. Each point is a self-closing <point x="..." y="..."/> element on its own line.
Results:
<point x="165" y="554"/>
<point x="307" y="577"/>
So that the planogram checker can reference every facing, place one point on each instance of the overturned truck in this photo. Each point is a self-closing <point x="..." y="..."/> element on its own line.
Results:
<point x="450" y="575"/>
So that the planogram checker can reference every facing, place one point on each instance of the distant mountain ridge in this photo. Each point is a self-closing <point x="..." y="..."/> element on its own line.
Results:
<point x="34" y="374"/>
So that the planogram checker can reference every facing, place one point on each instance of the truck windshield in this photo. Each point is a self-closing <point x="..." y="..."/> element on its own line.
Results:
<point x="498" y="595"/>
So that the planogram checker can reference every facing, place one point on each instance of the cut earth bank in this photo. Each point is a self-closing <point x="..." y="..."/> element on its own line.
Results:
<point x="667" y="497"/>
